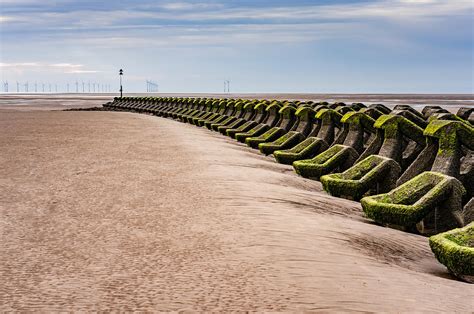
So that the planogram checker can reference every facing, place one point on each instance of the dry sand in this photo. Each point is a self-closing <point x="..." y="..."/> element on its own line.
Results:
<point x="120" y="211"/>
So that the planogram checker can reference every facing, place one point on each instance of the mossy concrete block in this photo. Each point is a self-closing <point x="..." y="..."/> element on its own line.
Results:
<point x="343" y="109"/>
<point x="431" y="201"/>
<point x="468" y="210"/>
<point x="234" y="125"/>
<point x="307" y="123"/>
<point x="408" y="108"/>
<point x="194" y="113"/>
<point x="195" y="120"/>
<point x="372" y="112"/>
<point x="396" y="131"/>
<point x="207" y="123"/>
<point x="330" y="120"/>
<point x="408" y="114"/>
<point x="447" y="116"/>
<point x="355" y="126"/>
<point x="183" y="117"/>
<point x="455" y="250"/>
<point x="243" y="128"/>
<point x="202" y="122"/>
<point x="357" y="106"/>
<point x="287" y="117"/>
<point x="273" y="115"/>
<point x="336" y="157"/>
<point x="443" y="138"/>
<point x="451" y="135"/>
<point x="466" y="114"/>
<point x="427" y="111"/>
<point x="380" y="107"/>
<point x="229" y="120"/>
<point x="261" y="114"/>
<point x="375" y="173"/>
<point x="268" y="136"/>
<point x="288" y="140"/>
<point x="255" y="131"/>
<point x="197" y="116"/>
<point x="308" y="148"/>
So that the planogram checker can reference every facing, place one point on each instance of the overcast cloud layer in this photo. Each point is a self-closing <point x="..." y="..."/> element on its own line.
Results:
<point x="421" y="46"/>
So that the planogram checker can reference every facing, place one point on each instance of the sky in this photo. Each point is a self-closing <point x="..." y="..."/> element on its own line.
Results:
<point x="282" y="46"/>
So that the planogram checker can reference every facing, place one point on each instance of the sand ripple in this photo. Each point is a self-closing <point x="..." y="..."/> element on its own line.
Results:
<point x="119" y="211"/>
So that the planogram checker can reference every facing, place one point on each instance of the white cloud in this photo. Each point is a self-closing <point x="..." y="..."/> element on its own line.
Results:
<point x="206" y="12"/>
<point x="189" y="6"/>
<point x="418" y="1"/>
<point x="401" y="9"/>
<point x="66" y="65"/>
<point x="214" y="25"/>
<point x="185" y="24"/>
<point x="40" y="66"/>
<point x="19" y="64"/>
<point x="82" y="71"/>
<point x="6" y="19"/>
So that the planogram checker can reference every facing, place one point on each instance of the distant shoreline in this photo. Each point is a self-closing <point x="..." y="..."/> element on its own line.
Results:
<point x="27" y="102"/>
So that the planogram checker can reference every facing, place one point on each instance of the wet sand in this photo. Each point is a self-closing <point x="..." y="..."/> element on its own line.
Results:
<point x="120" y="211"/>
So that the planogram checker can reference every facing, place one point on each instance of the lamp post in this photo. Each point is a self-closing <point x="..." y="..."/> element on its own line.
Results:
<point x="121" y="89"/>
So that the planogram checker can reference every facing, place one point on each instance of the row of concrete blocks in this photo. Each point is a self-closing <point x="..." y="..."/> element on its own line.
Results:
<point x="410" y="170"/>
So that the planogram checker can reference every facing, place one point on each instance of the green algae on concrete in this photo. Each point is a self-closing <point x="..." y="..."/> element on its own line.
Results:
<point x="340" y="156"/>
<point x="431" y="201"/>
<point x="221" y="108"/>
<point x="308" y="148"/>
<point x="244" y="124"/>
<point x="255" y="131"/>
<point x="286" y="119"/>
<point x="258" y="115"/>
<point x="380" y="165"/>
<point x="268" y="136"/>
<point x="324" y="162"/>
<point x="455" y="250"/>
<point x="289" y="139"/>
<point x="312" y="146"/>
<point x="302" y="127"/>
<point x="374" y="172"/>
<point x="237" y="113"/>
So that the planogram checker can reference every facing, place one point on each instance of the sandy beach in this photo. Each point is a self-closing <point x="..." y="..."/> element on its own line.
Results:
<point x="121" y="211"/>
